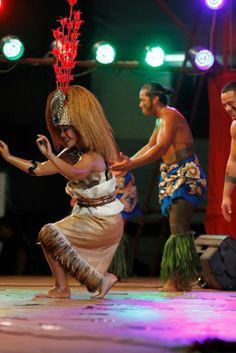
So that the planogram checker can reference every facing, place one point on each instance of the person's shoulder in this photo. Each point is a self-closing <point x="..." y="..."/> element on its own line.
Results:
<point x="233" y="129"/>
<point x="172" y="114"/>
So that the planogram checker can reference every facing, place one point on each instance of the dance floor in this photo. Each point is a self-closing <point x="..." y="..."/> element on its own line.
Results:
<point x="134" y="317"/>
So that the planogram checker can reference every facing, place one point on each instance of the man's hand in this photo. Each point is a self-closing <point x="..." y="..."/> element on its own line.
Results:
<point x="226" y="208"/>
<point x="124" y="164"/>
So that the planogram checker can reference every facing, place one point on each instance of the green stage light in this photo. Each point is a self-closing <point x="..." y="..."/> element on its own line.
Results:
<point x="12" y="48"/>
<point x="155" y="56"/>
<point x="105" y="53"/>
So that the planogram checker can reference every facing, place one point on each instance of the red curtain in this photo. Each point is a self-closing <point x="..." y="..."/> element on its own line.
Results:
<point x="219" y="146"/>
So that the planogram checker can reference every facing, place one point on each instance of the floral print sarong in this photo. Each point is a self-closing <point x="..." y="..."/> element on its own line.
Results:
<point x="127" y="194"/>
<point x="184" y="179"/>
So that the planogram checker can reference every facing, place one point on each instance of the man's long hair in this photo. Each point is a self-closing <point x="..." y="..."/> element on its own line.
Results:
<point x="156" y="89"/>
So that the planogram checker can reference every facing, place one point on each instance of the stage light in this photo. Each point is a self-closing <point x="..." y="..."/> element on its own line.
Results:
<point x="155" y="56"/>
<point x="214" y="4"/>
<point x="105" y="53"/>
<point x="201" y="58"/>
<point x="12" y="48"/>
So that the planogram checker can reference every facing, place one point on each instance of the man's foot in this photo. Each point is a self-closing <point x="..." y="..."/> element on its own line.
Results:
<point x="184" y="287"/>
<point x="177" y="286"/>
<point x="55" y="292"/>
<point x="170" y="286"/>
<point x="107" y="282"/>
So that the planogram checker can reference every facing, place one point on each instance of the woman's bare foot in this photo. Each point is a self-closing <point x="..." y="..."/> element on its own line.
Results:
<point x="107" y="282"/>
<point x="170" y="286"/>
<point x="55" y="292"/>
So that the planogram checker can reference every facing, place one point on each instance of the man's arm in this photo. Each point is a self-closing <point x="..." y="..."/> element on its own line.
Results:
<point x="165" y="139"/>
<point x="230" y="177"/>
<point x="150" y="144"/>
<point x="156" y="151"/>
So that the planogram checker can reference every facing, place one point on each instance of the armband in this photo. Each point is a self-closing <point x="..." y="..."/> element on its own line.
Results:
<point x="230" y="179"/>
<point x="33" y="167"/>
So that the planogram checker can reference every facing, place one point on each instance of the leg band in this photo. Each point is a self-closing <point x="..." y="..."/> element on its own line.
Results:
<point x="54" y="241"/>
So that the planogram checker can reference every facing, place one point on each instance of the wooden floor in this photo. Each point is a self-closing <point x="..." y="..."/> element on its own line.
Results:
<point x="135" y="317"/>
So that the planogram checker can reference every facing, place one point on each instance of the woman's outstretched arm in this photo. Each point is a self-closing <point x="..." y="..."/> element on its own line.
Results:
<point x="28" y="166"/>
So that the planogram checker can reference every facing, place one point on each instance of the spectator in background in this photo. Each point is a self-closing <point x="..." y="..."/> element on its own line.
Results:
<point x="13" y="250"/>
<point x="122" y="262"/>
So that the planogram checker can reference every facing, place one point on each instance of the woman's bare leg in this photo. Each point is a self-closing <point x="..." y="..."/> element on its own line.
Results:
<point x="61" y="288"/>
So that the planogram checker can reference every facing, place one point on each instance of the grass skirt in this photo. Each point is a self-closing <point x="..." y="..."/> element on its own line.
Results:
<point x="180" y="261"/>
<point x="122" y="262"/>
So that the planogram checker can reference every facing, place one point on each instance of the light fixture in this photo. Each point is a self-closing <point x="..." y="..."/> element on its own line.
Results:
<point x="214" y="4"/>
<point x="175" y="58"/>
<point x="12" y="47"/>
<point x="104" y="52"/>
<point x="55" y="44"/>
<point x="155" y="56"/>
<point x="201" y="58"/>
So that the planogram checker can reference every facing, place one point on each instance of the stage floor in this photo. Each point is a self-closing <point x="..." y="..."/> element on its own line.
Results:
<point x="134" y="317"/>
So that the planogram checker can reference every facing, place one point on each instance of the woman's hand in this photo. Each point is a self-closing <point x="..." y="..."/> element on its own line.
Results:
<point x="4" y="150"/>
<point x="44" y="146"/>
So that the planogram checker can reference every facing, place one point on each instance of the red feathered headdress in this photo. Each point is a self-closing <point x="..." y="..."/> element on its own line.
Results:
<point x="65" y="51"/>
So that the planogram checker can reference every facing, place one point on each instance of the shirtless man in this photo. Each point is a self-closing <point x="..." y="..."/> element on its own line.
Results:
<point x="182" y="183"/>
<point x="228" y="99"/>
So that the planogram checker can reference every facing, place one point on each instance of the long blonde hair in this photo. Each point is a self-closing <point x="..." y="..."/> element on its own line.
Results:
<point x="88" y="119"/>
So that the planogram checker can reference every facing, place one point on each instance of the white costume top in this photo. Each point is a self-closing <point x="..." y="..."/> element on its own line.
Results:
<point x="94" y="186"/>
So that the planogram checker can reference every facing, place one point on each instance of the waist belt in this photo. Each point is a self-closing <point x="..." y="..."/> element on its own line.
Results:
<point x="101" y="201"/>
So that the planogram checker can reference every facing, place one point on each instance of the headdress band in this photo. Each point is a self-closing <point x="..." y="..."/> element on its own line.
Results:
<point x="59" y="109"/>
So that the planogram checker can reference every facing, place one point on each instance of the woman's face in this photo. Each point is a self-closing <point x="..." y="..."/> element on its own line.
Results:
<point x="70" y="136"/>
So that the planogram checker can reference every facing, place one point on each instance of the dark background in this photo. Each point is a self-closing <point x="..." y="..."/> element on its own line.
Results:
<point x="130" y="26"/>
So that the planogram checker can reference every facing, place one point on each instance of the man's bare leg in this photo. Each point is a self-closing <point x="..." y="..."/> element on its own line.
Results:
<point x="106" y="284"/>
<point x="180" y="217"/>
<point x="185" y="286"/>
<point x="61" y="288"/>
